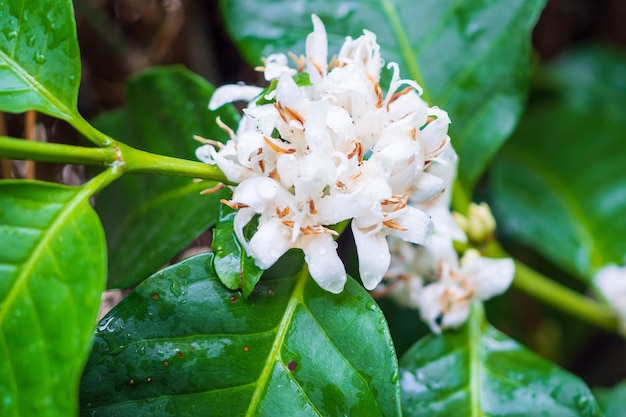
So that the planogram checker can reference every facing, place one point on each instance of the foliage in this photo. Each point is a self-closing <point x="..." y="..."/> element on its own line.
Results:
<point x="216" y="335"/>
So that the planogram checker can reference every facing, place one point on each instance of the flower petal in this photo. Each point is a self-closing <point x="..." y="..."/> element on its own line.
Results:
<point x="233" y="92"/>
<point x="325" y="266"/>
<point x="374" y="258"/>
<point x="269" y="243"/>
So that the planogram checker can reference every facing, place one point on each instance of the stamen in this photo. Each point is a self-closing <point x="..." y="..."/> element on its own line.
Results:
<point x="358" y="150"/>
<point x="212" y="190"/>
<point x="393" y="225"/>
<point x="225" y="127"/>
<point x="317" y="229"/>
<point x="233" y="205"/>
<point x="206" y="141"/>
<point x="298" y="60"/>
<point x="282" y="213"/>
<point x="277" y="148"/>
<point x="413" y="133"/>
<point x="399" y="94"/>
<point x="377" y="90"/>
<point x="332" y="63"/>
<point x="316" y="65"/>
<point x="312" y="208"/>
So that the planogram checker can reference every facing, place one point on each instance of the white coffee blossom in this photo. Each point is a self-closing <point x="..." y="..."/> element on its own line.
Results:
<point x="310" y="154"/>
<point x="432" y="278"/>
<point x="611" y="283"/>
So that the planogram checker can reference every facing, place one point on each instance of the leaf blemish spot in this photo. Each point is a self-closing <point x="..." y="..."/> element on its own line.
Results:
<point x="155" y="296"/>
<point x="292" y="365"/>
<point x="271" y="292"/>
<point x="179" y="354"/>
<point x="166" y="363"/>
<point x="131" y="381"/>
<point x="246" y="348"/>
<point x="233" y="299"/>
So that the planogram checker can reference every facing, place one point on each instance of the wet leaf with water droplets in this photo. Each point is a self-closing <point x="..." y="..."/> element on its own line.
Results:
<point x="26" y="44"/>
<point x="52" y="272"/>
<point x="282" y="351"/>
<point x="478" y="371"/>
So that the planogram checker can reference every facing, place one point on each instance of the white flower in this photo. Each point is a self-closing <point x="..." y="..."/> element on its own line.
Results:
<point x="611" y="282"/>
<point x="445" y="304"/>
<point x="308" y="155"/>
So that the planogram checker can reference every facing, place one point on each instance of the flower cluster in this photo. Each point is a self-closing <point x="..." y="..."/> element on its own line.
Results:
<point x="433" y="278"/>
<point x="325" y="144"/>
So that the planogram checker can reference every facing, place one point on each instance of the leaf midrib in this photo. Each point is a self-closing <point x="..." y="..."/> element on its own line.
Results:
<point x="67" y="113"/>
<point x="294" y="301"/>
<point x="28" y="266"/>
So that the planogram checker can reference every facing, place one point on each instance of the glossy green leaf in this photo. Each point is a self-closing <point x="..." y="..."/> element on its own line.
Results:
<point x="472" y="57"/>
<point x="560" y="183"/>
<point x="52" y="273"/>
<point x="612" y="400"/>
<point x="182" y="344"/>
<point x="478" y="371"/>
<point x="149" y="218"/>
<point x="39" y="57"/>
<point x="233" y="266"/>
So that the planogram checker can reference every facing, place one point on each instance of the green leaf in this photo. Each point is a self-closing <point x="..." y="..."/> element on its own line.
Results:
<point x="39" y="57"/>
<point x="52" y="272"/>
<point x="233" y="266"/>
<point x="611" y="400"/>
<point x="472" y="57"/>
<point x="182" y="344"/>
<point x="149" y="218"/>
<point x="559" y="185"/>
<point x="478" y="371"/>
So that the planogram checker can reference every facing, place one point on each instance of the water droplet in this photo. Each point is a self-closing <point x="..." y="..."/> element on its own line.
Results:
<point x="30" y="41"/>
<point x="12" y="35"/>
<point x="371" y="305"/>
<point x="40" y="58"/>
<point x="271" y="292"/>
<point x="142" y="350"/>
<point x="581" y="401"/>
<point x="395" y="377"/>
<point x="166" y="363"/>
<point x="322" y="250"/>
<point x="175" y="288"/>
<point x="149" y="379"/>
<point x="131" y="381"/>
<point x="473" y="30"/>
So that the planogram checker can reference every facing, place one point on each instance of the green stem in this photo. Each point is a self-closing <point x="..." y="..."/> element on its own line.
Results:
<point x="120" y="156"/>
<point x="135" y="160"/>
<point x="100" y="181"/>
<point x="13" y="148"/>
<point x="552" y="293"/>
